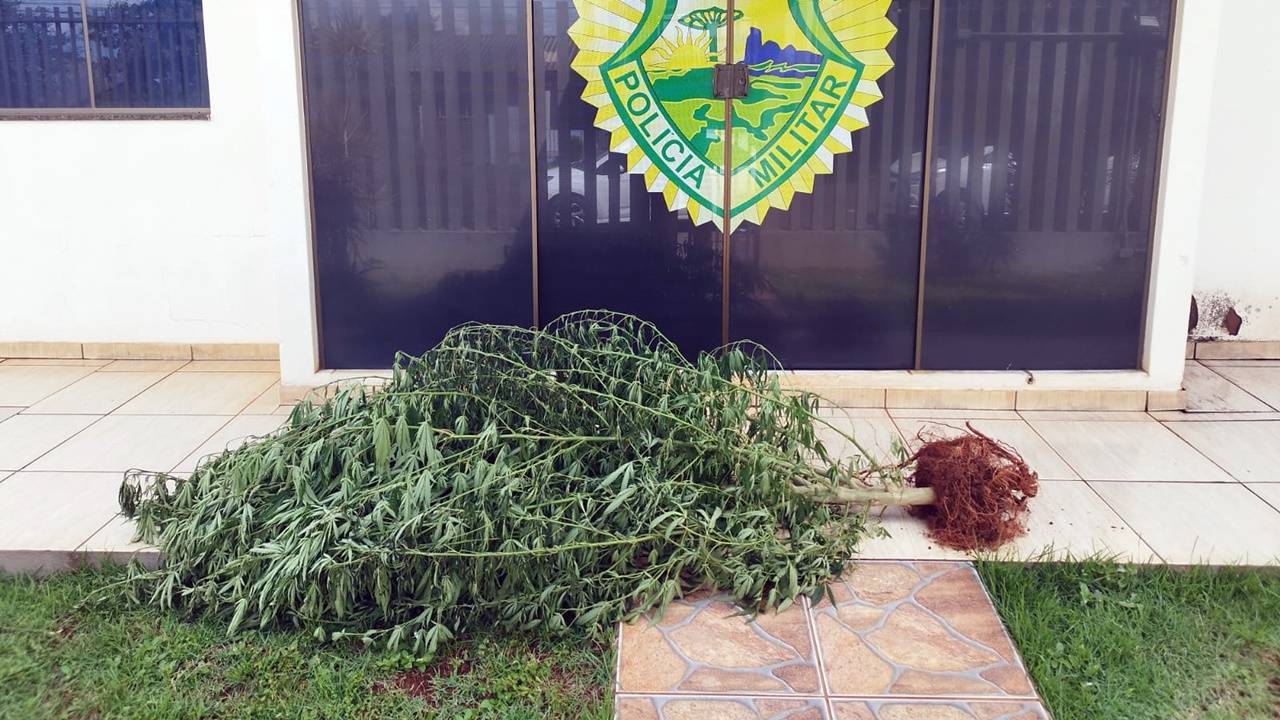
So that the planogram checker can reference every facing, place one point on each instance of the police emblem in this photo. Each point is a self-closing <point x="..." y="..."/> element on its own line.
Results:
<point x="812" y="65"/>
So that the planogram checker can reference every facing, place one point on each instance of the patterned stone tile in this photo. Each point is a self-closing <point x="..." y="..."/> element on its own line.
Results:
<point x="705" y="645"/>
<point x="922" y="629"/>
<point x="937" y="710"/>
<point x="667" y="707"/>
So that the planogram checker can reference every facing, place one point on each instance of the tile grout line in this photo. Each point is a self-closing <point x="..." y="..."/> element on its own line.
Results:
<point x="80" y="548"/>
<point x="1089" y="484"/>
<point x="86" y="377"/>
<point x="1056" y="452"/>
<point x="62" y="442"/>
<point x="200" y="444"/>
<point x="819" y="663"/>
<point x="1128" y="523"/>
<point x="1237" y="385"/>
<point x="1004" y="630"/>
<point x="86" y="427"/>
<point x="1197" y="451"/>
<point x="56" y="390"/>
<point x="1268" y="503"/>
<point x="275" y="385"/>
<point x="617" y="669"/>
<point x="219" y="429"/>
<point x="889" y="697"/>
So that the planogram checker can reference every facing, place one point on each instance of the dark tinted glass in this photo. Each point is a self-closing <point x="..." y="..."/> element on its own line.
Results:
<point x="42" y="55"/>
<point x="604" y="241"/>
<point x="148" y="53"/>
<point x="831" y="282"/>
<point x="1047" y="119"/>
<point x="418" y="128"/>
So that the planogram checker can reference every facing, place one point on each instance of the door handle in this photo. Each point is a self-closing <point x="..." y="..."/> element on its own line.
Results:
<point x="730" y="81"/>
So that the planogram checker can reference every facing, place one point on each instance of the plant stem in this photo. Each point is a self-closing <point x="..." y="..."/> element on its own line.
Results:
<point x="886" y="498"/>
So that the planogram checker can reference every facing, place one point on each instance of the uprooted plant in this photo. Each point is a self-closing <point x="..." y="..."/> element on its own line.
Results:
<point x="526" y="479"/>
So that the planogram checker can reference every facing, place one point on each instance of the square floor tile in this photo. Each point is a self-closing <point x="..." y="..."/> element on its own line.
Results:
<point x="271" y="366"/>
<point x="907" y="539"/>
<point x="936" y="710"/>
<point x="1069" y="519"/>
<point x="922" y="629"/>
<point x="1086" y="415"/>
<point x="1016" y="433"/>
<point x="1190" y="523"/>
<point x="1250" y="451"/>
<point x="268" y="403"/>
<point x="24" y="438"/>
<point x="1269" y="492"/>
<point x="852" y="412"/>
<point x="1139" y="451"/>
<point x="204" y="393"/>
<point x="25" y="385"/>
<point x="1209" y="362"/>
<point x="1262" y="382"/>
<point x="120" y="442"/>
<point x="675" y="707"/>
<point x="1208" y="391"/>
<point x="116" y="538"/>
<point x="165" y="366"/>
<point x="55" y="511"/>
<point x="945" y="414"/>
<point x="876" y="433"/>
<point x="66" y="362"/>
<point x="97" y="394"/>
<point x="1178" y="416"/>
<point x="705" y="644"/>
<point x="240" y="430"/>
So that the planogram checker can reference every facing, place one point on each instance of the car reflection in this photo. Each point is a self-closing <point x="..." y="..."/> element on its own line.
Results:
<point x="572" y="208"/>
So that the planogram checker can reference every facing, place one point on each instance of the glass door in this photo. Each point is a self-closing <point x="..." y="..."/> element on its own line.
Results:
<point x="613" y="231"/>
<point x="965" y="184"/>
<point x="828" y="150"/>
<point x="1047" y="126"/>
<point x="823" y="252"/>
<point x="417" y="123"/>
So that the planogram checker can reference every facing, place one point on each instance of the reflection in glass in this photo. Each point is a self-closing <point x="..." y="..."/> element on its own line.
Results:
<point x="42" y="55"/>
<point x="604" y="241"/>
<point x="418" y="129"/>
<point x="1046" y="138"/>
<point x="148" y="53"/>
<point x="831" y="282"/>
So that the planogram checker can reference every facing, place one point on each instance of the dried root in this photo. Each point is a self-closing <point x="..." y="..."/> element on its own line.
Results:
<point x="981" y="488"/>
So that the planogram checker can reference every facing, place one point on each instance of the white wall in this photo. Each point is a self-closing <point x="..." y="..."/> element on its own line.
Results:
<point x="153" y="230"/>
<point x="197" y="230"/>
<point x="1238" y="261"/>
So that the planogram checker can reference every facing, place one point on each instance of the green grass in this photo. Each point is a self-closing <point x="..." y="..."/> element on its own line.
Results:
<point x="60" y="660"/>
<point x="1129" y="643"/>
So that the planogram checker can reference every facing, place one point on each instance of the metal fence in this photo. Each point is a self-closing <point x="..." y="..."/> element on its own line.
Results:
<point x="102" y="54"/>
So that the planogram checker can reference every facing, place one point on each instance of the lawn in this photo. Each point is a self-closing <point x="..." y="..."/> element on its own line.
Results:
<point x="1130" y="643"/>
<point x="1101" y="640"/>
<point x="61" y="660"/>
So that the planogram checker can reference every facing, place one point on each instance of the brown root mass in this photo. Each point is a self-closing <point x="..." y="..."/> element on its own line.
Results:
<point x="982" y="488"/>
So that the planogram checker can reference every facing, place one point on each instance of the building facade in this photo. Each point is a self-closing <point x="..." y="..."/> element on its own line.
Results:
<point x="972" y="202"/>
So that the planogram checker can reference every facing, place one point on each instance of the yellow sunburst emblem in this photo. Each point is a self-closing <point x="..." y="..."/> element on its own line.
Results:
<point x="813" y="67"/>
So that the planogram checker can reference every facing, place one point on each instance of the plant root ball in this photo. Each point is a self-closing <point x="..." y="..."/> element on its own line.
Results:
<point x="982" y="488"/>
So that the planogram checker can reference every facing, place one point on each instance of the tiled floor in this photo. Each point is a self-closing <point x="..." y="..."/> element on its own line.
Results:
<point x="1173" y="487"/>
<point x="1176" y="487"/>
<point x="903" y="640"/>
<point x="70" y="428"/>
<point x="910" y="636"/>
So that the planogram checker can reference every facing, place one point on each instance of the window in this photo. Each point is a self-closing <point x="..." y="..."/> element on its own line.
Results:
<point x="139" y="57"/>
